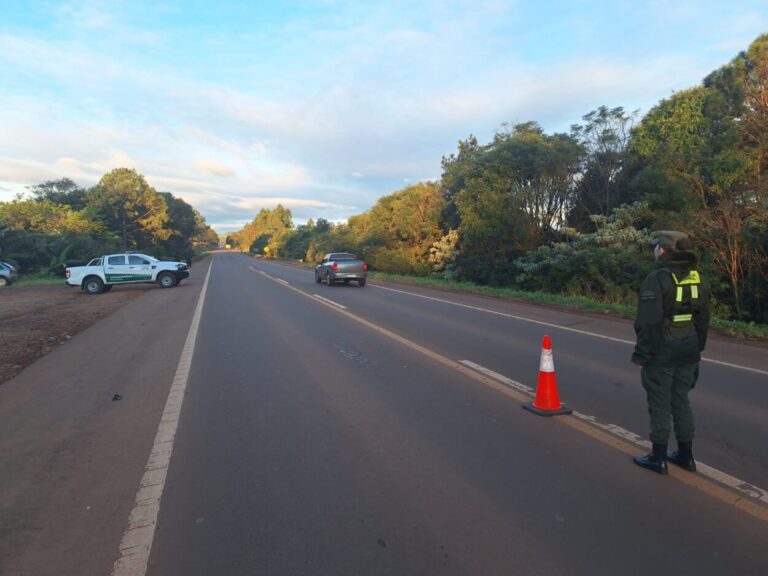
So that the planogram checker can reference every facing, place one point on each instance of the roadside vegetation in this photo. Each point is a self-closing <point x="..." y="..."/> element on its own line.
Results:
<point x="563" y="218"/>
<point x="63" y="224"/>
<point x="568" y="218"/>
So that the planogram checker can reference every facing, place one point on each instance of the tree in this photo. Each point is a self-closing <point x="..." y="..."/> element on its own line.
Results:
<point x="265" y="230"/>
<point x="736" y="196"/>
<point x="396" y="234"/>
<point x="542" y="172"/>
<point x="508" y="197"/>
<point x="125" y="202"/>
<point x="605" y="137"/>
<point x="699" y="159"/>
<point x="457" y="168"/>
<point x="63" y="191"/>
<point x="46" y="216"/>
<point x="187" y="229"/>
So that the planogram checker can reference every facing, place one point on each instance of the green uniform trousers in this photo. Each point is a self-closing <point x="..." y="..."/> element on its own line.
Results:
<point x="667" y="389"/>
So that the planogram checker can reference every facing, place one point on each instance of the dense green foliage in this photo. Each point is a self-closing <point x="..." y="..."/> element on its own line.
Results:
<point x="563" y="214"/>
<point x="573" y="214"/>
<point x="64" y="223"/>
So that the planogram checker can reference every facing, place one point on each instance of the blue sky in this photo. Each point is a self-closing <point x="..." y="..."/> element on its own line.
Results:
<point x="324" y="105"/>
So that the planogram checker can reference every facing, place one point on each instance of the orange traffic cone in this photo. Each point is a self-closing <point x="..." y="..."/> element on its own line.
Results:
<point x="547" y="401"/>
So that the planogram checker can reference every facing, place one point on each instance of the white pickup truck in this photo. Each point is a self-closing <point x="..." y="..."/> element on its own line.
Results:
<point x="101" y="273"/>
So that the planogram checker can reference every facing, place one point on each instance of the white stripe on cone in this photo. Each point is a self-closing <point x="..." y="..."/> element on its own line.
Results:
<point x="547" y="363"/>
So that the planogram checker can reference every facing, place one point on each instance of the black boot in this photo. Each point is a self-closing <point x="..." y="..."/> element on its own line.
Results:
<point x="683" y="457"/>
<point x="656" y="460"/>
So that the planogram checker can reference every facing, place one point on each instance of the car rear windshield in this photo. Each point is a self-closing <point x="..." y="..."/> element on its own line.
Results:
<point x="343" y="257"/>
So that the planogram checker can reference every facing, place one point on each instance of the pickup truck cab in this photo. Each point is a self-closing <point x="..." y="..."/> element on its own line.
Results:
<point x="104" y="272"/>
<point x="341" y="266"/>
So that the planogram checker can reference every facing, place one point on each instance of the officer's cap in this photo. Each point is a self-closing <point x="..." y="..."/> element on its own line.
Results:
<point x="672" y="240"/>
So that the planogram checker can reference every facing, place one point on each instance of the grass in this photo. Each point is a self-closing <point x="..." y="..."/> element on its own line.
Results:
<point x="38" y="279"/>
<point x="741" y="330"/>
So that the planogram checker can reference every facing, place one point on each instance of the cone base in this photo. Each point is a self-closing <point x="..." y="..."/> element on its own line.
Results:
<point x="551" y="412"/>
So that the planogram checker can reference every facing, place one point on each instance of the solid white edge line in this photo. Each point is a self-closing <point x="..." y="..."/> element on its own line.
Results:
<point x="284" y="282"/>
<point x="136" y="543"/>
<point x="741" y="486"/>
<point x="557" y="326"/>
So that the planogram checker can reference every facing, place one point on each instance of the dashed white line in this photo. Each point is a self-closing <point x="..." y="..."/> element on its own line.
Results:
<point x="498" y="377"/>
<point x="331" y="302"/>
<point x="138" y="536"/>
<point x="739" y="486"/>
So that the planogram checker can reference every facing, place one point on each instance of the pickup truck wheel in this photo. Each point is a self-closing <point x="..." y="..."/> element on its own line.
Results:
<point x="166" y="280"/>
<point x="93" y="285"/>
<point x="328" y="279"/>
<point x="3" y="281"/>
<point x="361" y="282"/>
<point x="317" y="277"/>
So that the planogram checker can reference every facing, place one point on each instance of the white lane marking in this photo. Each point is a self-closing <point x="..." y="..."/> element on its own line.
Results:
<point x="719" y="477"/>
<point x="274" y="278"/>
<point x="559" y="327"/>
<point x="331" y="302"/>
<point x="137" y="538"/>
<point x="614" y="429"/>
<point x="498" y="377"/>
<point x="735" y="483"/>
<point x="704" y="469"/>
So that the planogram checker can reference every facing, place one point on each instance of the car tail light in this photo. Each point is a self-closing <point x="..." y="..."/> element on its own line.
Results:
<point x="365" y="266"/>
<point x="335" y="266"/>
<point x="66" y="272"/>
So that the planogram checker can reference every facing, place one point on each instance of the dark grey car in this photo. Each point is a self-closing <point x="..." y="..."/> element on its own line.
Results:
<point x="8" y="274"/>
<point x="341" y="266"/>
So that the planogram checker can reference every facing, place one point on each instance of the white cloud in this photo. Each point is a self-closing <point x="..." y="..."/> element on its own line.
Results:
<point x="377" y="96"/>
<point x="215" y="168"/>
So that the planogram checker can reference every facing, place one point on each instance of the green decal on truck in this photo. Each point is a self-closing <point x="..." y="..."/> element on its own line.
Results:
<point x="127" y="277"/>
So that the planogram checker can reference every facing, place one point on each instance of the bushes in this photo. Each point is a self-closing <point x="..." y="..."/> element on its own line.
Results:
<point x="604" y="273"/>
<point x="38" y="252"/>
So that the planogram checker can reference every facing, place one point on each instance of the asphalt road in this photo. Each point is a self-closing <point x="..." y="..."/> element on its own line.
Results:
<point x="315" y="439"/>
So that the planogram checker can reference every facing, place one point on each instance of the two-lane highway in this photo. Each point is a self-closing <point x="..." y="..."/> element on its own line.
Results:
<point x="591" y="357"/>
<point x="317" y="439"/>
<point x="270" y="425"/>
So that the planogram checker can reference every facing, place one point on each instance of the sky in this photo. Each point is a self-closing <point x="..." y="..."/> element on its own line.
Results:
<point x="324" y="106"/>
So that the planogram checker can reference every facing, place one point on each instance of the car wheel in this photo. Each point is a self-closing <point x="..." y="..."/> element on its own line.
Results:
<point x="317" y="277"/>
<point x="93" y="285"/>
<point x="166" y="280"/>
<point x="328" y="279"/>
<point x="361" y="282"/>
<point x="3" y="281"/>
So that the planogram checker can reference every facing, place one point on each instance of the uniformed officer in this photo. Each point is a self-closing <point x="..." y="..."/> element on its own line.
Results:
<point x="671" y="328"/>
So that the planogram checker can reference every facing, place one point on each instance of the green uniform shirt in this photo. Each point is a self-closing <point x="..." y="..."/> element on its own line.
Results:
<point x="661" y="340"/>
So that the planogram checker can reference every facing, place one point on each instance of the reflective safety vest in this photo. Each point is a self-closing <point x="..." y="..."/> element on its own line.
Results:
<point x="683" y="308"/>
